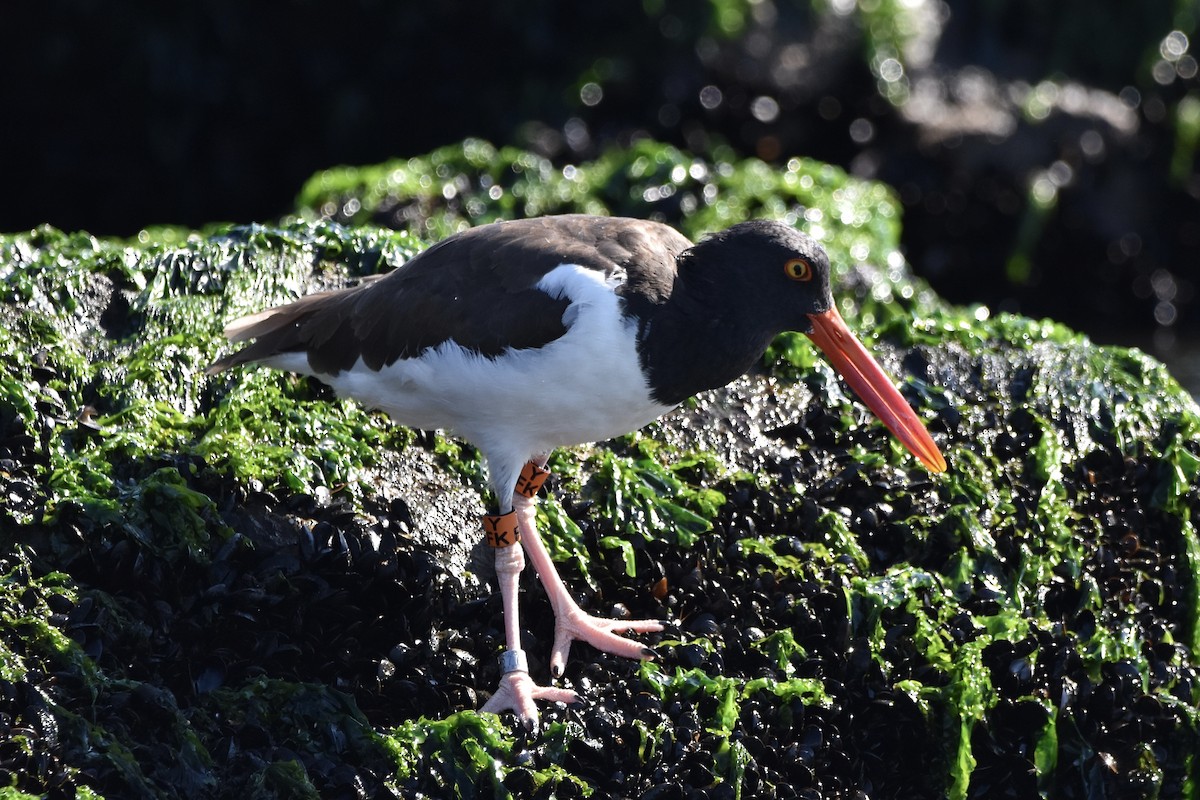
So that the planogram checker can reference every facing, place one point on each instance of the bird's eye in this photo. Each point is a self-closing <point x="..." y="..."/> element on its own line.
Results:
<point x="798" y="269"/>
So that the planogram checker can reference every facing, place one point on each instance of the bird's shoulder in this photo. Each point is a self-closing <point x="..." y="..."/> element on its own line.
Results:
<point x="515" y="255"/>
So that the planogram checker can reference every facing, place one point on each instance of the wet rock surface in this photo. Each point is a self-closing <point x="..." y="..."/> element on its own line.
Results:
<point x="219" y="588"/>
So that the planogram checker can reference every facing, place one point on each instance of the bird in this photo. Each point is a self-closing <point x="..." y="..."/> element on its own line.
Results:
<point x="528" y="335"/>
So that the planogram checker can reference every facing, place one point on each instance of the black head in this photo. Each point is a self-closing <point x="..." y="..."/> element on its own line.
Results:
<point x="752" y="281"/>
<point x="778" y="273"/>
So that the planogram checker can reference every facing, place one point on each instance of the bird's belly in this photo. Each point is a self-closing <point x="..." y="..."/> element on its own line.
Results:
<point x="585" y="386"/>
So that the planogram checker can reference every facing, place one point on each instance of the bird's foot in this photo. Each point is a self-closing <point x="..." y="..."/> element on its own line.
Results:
<point x="574" y="624"/>
<point x="519" y="694"/>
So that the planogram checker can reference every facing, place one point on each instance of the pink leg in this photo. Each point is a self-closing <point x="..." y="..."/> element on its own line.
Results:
<point x="517" y="691"/>
<point x="570" y="621"/>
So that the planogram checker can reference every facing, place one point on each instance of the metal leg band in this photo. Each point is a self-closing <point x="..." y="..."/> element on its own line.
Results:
<point x="513" y="661"/>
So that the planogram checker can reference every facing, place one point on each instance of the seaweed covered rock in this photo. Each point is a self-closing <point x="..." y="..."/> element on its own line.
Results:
<point x="240" y="585"/>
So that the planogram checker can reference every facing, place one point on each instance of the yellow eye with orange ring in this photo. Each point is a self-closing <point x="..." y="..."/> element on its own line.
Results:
<point x="798" y="269"/>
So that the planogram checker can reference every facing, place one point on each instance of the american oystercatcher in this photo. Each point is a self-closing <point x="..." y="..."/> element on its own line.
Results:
<point x="533" y="334"/>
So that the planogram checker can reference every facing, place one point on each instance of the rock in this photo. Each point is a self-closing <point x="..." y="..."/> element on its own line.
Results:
<point x="240" y="581"/>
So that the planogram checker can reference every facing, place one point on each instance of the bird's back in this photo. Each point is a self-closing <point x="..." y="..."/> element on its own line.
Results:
<point x="478" y="289"/>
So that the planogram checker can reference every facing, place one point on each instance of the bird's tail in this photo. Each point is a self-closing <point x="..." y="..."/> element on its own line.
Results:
<point x="273" y="331"/>
<point x="322" y="324"/>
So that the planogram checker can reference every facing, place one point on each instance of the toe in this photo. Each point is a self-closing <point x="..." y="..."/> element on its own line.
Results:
<point x="562" y="648"/>
<point x="555" y="694"/>
<point x="527" y="712"/>
<point x="596" y="632"/>
<point x="634" y="625"/>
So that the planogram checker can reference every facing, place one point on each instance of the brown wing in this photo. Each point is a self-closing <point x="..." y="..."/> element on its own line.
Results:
<point x="477" y="288"/>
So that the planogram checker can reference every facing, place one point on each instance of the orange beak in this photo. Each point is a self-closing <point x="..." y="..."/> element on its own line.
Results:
<point x="873" y="386"/>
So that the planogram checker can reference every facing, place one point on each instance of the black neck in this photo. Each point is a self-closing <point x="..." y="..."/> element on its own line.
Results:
<point x="696" y="339"/>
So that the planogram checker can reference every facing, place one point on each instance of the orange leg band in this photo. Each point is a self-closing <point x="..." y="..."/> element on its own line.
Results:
<point x="501" y="530"/>
<point x="531" y="480"/>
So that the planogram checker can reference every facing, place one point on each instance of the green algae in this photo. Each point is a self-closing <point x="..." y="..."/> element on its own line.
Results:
<point x="30" y="638"/>
<point x="32" y="642"/>
<point x="126" y="328"/>
<point x="144" y="388"/>
<point x="783" y="649"/>
<point x="726" y="696"/>
<point x="306" y="718"/>
<point x="470" y="754"/>
<point x="639" y="497"/>
<point x="643" y="495"/>
<point x="728" y="692"/>
<point x="966" y="693"/>
<point x="563" y="537"/>
<point x="1124" y="392"/>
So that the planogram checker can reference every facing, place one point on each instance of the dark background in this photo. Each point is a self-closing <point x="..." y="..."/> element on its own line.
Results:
<point x="119" y="115"/>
